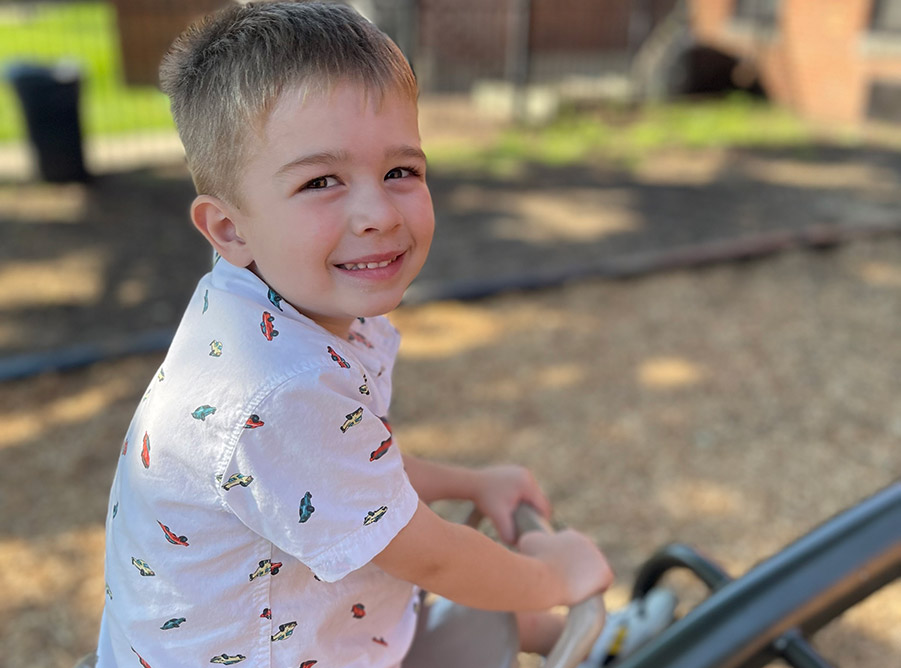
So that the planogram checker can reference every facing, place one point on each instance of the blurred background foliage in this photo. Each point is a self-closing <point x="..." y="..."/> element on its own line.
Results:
<point x="559" y="82"/>
<point x="82" y="33"/>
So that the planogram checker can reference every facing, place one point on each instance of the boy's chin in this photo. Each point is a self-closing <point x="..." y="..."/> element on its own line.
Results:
<point x="377" y="311"/>
<point x="380" y="307"/>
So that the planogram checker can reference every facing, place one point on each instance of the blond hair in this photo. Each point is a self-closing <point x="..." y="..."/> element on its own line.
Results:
<point x="224" y="74"/>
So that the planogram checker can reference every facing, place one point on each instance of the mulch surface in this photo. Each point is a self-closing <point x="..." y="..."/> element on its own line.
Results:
<point x="732" y="407"/>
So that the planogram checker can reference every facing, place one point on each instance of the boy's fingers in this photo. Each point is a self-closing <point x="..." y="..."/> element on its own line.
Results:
<point x="504" y="526"/>
<point x="529" y="542"/>
<point x="537" y="498"/>
<point x="544" y="506"/>
<point x="540" y="503"/>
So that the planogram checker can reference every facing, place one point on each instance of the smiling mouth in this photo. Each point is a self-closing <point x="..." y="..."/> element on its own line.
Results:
<point x="357" y="266"/>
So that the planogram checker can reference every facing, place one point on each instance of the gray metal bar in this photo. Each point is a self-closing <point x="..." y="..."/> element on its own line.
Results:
<point x="803" y="586"/>
<point x="678" y="555"/>
<point x="519" y="53"/>
<point x="797" y="652"/>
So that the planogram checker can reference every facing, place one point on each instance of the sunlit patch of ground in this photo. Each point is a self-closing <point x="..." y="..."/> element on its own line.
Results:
<point x="733" y="409"/>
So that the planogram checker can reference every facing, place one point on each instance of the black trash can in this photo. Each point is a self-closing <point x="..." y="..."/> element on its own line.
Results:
<point x="49" y="98"/>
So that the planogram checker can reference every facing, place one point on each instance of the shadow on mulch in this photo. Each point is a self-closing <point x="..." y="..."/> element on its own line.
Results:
<point x="731" y="409"/>
<point x="106" y="263"/>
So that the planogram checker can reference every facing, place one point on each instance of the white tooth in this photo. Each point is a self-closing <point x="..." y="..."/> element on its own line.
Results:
<point x="367" y="265"/>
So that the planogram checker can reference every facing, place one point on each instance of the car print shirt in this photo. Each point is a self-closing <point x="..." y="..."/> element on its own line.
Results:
<point x="255" y="484"/>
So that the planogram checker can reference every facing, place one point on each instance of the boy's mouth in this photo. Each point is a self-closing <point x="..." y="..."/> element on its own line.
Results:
<point x="357" y="266"/>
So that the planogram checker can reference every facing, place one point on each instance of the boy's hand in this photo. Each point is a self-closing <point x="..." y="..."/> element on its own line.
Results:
<point x="500" y="489"/>
<point x="574" y="560"/>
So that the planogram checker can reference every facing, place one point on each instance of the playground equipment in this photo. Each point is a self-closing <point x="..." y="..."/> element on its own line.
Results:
<point x="767" y="614"/>
<point x="455" y="636"/>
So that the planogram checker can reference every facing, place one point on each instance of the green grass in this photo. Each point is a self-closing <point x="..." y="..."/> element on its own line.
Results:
<point x="83" y="33"/>
<point x="627" y="138"/>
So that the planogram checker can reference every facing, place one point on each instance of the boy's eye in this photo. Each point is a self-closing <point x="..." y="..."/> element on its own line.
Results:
<point x="319" y="183"/>
<point x="401" y="172"/>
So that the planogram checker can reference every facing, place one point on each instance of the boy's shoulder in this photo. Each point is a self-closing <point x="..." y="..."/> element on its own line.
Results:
<point x="236" y="329"/>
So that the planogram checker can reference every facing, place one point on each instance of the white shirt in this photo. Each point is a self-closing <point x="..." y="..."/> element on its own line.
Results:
<point x="255" y="485"/>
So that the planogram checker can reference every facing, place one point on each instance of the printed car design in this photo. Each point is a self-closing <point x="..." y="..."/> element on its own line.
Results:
<point x="358" y="610"/>
<point x="161" y="376"/>
<point x="275" y="299"/>
<point x="308" y="664"/>
<point x="237" y="479"/>
<point x="142" y="566"/>
<point x="382" y="449"/>
<point x="145" y="451"/>
<point x="352" y="419"/>
<point x="144" y="664"/>
<point x="266" y="614"/>
<point x="374" y="515"/>
<point x="364" y="389"/>
<point x="356" y="336"/>
<point x="215" y="348"/>
<point x="253" y="422"/>
<point x="284" y="631"/>
<point x="171" y="537"/>
<point x="125" y="447"/>
<point x="306" y="507"/>
<point x="173" y="624"/>
<point x="206" y="301"/>
<point x="266" y="567"/>
<point x="227" y="660"/>
<point x="384" y="445"/>
<point x="266" y="326"/>
<point x="380" y="641"/>
<point x="340" y="361"/>
<point x="203" y="412"/>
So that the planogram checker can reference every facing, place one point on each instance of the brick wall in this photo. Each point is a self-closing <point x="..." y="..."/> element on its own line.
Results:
<point x="147" y="28"/>
<point x="818" y="59"/>
<point x="463" y="40"/>
<point x="579" y="25"/>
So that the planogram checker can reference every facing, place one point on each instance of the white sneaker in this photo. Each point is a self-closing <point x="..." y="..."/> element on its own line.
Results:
<point x="631" y="627"/>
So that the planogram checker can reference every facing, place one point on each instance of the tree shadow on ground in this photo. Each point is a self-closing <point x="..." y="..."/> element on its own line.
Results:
<point x="726" y="408"/>
<point x="118" y="257"/>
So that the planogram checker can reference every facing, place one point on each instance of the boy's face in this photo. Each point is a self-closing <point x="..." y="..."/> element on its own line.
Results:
<point x="336" y="216"/>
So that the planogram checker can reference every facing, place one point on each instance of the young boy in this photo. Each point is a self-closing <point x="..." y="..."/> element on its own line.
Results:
<point x="261" y="513"/>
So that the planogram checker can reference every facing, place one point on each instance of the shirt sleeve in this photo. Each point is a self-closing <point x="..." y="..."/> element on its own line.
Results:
<point x="315" y="473"/>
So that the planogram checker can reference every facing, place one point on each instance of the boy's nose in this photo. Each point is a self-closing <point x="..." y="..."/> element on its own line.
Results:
<point x="375" y="211"/>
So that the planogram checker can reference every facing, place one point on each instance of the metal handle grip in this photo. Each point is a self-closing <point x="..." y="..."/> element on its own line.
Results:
<point x="584" y="621"/>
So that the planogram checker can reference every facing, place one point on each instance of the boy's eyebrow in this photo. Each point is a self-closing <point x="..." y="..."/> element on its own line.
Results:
<point x="406" y="152"/>
<point x="330" y="157"/>
<point x="321" y="158"/>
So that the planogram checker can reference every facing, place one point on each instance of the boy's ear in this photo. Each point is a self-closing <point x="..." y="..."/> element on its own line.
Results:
<point x="214" y="219"/>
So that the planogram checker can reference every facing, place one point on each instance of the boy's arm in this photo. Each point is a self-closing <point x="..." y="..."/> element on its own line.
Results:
<point x="495" y="490"/>
<point x="435" y="481"/>
<point x="465" y="566"/>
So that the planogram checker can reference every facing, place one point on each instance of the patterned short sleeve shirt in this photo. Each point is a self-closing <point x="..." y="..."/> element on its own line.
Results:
<point x="256" y="482"/>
